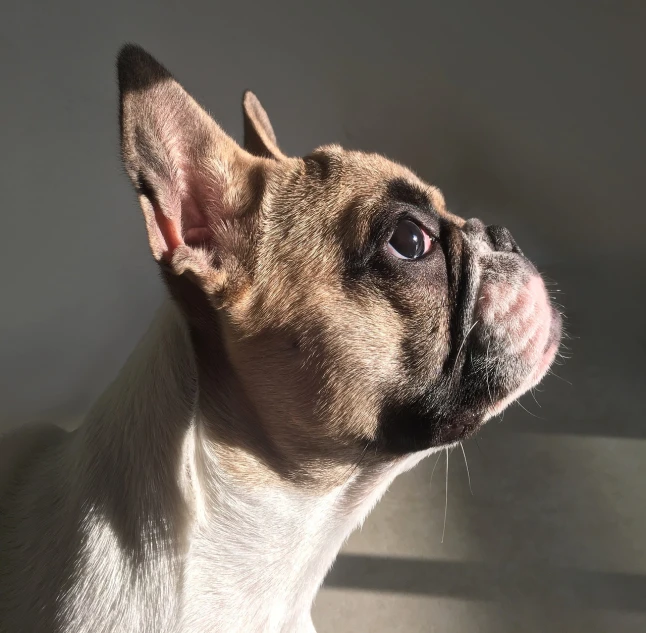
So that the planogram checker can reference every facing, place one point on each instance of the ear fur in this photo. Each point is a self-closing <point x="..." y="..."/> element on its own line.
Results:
<point x="259" y="136"/>
<point x="191" y="178"/>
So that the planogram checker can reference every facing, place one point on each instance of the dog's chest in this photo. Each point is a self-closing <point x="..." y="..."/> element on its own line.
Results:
<point x="258" y="559"/>
<point x="255" y="564"/>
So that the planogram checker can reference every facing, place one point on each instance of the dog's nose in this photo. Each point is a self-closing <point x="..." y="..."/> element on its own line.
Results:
<point x="502" y="239"/>
<point x="498" y="237"/>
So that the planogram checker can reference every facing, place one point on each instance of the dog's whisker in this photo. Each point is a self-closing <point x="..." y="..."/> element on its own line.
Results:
<point x="353" y="467"/>
<point x="520" y="404"/>
<point x="551" y="372"/>
<point x="466" y="463"/>
<point x="446" y="493"/>
<point x="430" y="483"/>
<point x="486" y="373"/>
<point x="464" y="340"/>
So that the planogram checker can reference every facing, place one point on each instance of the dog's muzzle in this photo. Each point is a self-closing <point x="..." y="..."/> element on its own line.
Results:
<point x="513" y="329"/>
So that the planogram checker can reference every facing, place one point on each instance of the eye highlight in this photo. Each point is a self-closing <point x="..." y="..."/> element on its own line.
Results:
<point x="409" y="241"/>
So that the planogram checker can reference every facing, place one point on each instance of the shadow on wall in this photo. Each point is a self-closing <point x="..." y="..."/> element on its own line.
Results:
<point x="466" y="580"/>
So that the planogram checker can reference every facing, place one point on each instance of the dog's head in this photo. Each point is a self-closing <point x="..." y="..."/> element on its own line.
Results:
<point x="334" y="303"/>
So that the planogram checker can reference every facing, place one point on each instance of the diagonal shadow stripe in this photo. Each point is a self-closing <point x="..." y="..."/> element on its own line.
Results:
<point x="479" y="581"/>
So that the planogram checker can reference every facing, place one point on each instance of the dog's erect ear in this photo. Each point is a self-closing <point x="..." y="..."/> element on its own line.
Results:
<point x="192" y="179"/>
<point x="259" y="137"/>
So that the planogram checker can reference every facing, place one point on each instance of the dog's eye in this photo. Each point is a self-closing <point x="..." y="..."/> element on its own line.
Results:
<point x="409" y="241"/>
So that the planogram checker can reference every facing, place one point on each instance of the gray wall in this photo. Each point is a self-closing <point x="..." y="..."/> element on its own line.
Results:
<point x="532" y="115"/>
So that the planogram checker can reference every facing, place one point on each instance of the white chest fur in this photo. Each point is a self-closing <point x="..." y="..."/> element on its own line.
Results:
<point x="258" y="557"/>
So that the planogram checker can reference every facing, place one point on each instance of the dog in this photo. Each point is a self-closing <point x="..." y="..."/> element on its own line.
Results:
<point x="329" y="324"/>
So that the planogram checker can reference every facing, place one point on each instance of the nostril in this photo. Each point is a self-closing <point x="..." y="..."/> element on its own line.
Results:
<point x="502" y="239"/>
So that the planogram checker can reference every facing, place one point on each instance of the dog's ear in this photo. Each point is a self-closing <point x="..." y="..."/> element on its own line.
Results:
<point x="191" y="178"/>
<point x="259" y="136"/>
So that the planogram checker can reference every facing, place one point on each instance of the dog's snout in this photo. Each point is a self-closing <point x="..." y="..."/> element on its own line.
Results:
<point x="496" y="237"/>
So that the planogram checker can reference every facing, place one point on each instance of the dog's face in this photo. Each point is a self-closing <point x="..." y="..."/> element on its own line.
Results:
<point x="334" y="295"/>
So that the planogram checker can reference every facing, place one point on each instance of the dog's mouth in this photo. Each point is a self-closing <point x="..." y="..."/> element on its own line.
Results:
<point x="493" y="382"/>
<point x="507" y="331"/>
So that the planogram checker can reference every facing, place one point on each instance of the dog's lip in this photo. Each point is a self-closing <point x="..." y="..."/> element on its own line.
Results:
<point x="538" y="372"/>
<point x="461" y="316"/>
<point x="467" y="427"/>
<point x="464" y="319"/>
<point x="533" y="379"/>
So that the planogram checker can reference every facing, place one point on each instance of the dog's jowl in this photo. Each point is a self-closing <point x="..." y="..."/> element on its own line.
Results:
<point x="329" y="324"/>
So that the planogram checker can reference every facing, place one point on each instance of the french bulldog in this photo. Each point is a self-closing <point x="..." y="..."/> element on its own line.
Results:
<point x="329" y="324"/>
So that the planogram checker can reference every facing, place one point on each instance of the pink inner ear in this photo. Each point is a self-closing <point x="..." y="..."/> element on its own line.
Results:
<point x="170" y="238"/>
<point x="195" y="228"/>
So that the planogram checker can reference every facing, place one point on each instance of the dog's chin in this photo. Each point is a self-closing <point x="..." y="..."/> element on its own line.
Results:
<point x="526" y="376"/>
<point x="468" y="424"/>
<point x="542" y="367"/>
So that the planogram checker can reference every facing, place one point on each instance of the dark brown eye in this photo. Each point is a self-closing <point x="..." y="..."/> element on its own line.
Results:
<point x="409" y="241"/>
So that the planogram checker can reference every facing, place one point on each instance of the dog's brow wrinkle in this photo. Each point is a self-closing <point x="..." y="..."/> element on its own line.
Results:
<point x="401" y="190"/>
<point x="321" y="163"/>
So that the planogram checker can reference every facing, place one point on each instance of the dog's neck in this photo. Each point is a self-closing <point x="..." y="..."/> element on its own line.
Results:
<point x="247" y="546"/>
